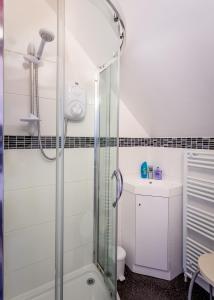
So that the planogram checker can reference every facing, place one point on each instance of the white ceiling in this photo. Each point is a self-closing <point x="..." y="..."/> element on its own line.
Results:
<point x="167" y="76"/>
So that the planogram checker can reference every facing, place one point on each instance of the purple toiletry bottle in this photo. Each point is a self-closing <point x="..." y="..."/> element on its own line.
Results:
<point x="158" y="174"/>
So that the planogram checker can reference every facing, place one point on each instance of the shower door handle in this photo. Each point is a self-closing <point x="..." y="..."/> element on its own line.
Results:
<point x="121" y="182"/>
<point x="119" y="185"/>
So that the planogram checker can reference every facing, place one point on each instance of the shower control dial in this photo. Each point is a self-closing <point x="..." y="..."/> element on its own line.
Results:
<point x="76" y="110"/>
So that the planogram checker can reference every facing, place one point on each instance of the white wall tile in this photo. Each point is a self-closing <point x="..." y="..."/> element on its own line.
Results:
<point x="131" y="158"/>
<point x="78" y="230"/>
<point x="170" y="160"/>
<point x="27" y="168"/>
<point x="17" y="100"/>
<point x="47" y="74"/>
<point x="29" y="278"/>
<point x="15" y="108"/>
<point x="48" y="117"/>
<point x="16" y="74"/>
<point x="18" y="106"/>
<point x="79" y="66"/>
<point x="77" y="258"/>
<point x="79" y="164"/>
<point x="31" y="245"/>
<point x="90" y="91"/>
<point x="27" y="207"/>
<point x="119" y="224"/>
<point x="78" y="197"/>
<point x="34" y="275"/>
<point x="28" y="246"/>
<point x="23" y="26"/>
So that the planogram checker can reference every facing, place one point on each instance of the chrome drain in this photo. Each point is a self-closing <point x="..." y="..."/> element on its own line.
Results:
<point x="90" y="281"/>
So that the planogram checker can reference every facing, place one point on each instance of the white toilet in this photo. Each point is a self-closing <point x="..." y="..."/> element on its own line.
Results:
<point x="121" y="255"/>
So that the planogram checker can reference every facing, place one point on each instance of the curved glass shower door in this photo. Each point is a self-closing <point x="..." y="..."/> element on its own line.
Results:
<point x="107" y="182"/>
<point x="51" y="250"/>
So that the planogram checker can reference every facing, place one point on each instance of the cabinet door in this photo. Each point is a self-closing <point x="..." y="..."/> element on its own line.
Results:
<point x="152" y="232"/>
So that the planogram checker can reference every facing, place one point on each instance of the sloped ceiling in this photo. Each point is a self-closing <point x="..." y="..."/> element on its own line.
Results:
<point x="167" y="76"/>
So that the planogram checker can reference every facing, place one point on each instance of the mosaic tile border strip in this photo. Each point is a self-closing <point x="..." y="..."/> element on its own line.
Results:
<point x="189" y="143"/>
<point x="49" y="142"/>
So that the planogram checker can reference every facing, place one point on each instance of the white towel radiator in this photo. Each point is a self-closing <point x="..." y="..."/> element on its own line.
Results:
<point x="198" y="230"/>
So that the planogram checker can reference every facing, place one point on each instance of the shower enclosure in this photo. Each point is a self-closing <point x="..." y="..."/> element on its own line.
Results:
<point x="59" y="216"/>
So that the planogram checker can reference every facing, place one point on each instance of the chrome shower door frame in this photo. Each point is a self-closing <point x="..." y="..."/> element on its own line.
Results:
<point x="60" y="136"/>
<point x="1" y="146"/>
<point x="97" y="174"/>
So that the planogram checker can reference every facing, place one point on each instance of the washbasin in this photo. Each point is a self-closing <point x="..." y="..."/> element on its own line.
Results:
<point x="164" y="188"/>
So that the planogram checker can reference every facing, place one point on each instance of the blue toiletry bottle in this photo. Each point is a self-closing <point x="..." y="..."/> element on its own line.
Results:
<point x="144" y="170"/>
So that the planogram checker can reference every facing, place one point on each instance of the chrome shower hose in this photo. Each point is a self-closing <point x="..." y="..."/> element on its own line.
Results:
<point x="38" y="115"/>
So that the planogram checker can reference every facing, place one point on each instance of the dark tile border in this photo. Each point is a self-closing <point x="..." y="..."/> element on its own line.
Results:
<point x="172" y="142"/>
<point x="49" y="142"/>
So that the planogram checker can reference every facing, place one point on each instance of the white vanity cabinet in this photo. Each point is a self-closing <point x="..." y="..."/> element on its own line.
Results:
<point x="151" y="225"/>
<point x="152" y="232"/>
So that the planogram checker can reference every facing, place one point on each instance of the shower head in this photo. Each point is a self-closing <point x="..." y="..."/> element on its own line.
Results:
<point x="47" y="36"/>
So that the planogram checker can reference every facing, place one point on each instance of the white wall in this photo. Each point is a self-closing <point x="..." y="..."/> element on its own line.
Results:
<point x="167" y="66"/>
<point x="128" y="125"/>
<point x="170" y="160"/>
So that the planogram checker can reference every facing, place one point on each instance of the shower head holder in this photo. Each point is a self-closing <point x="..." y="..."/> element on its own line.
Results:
<point x="32" y="59"/>
<point x="31" y="119"/>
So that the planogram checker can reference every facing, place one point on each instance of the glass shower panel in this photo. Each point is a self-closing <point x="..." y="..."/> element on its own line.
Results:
<point x="29" y="178"/>
<point x="79" y="72"/>
<point x="107" y="156"/>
